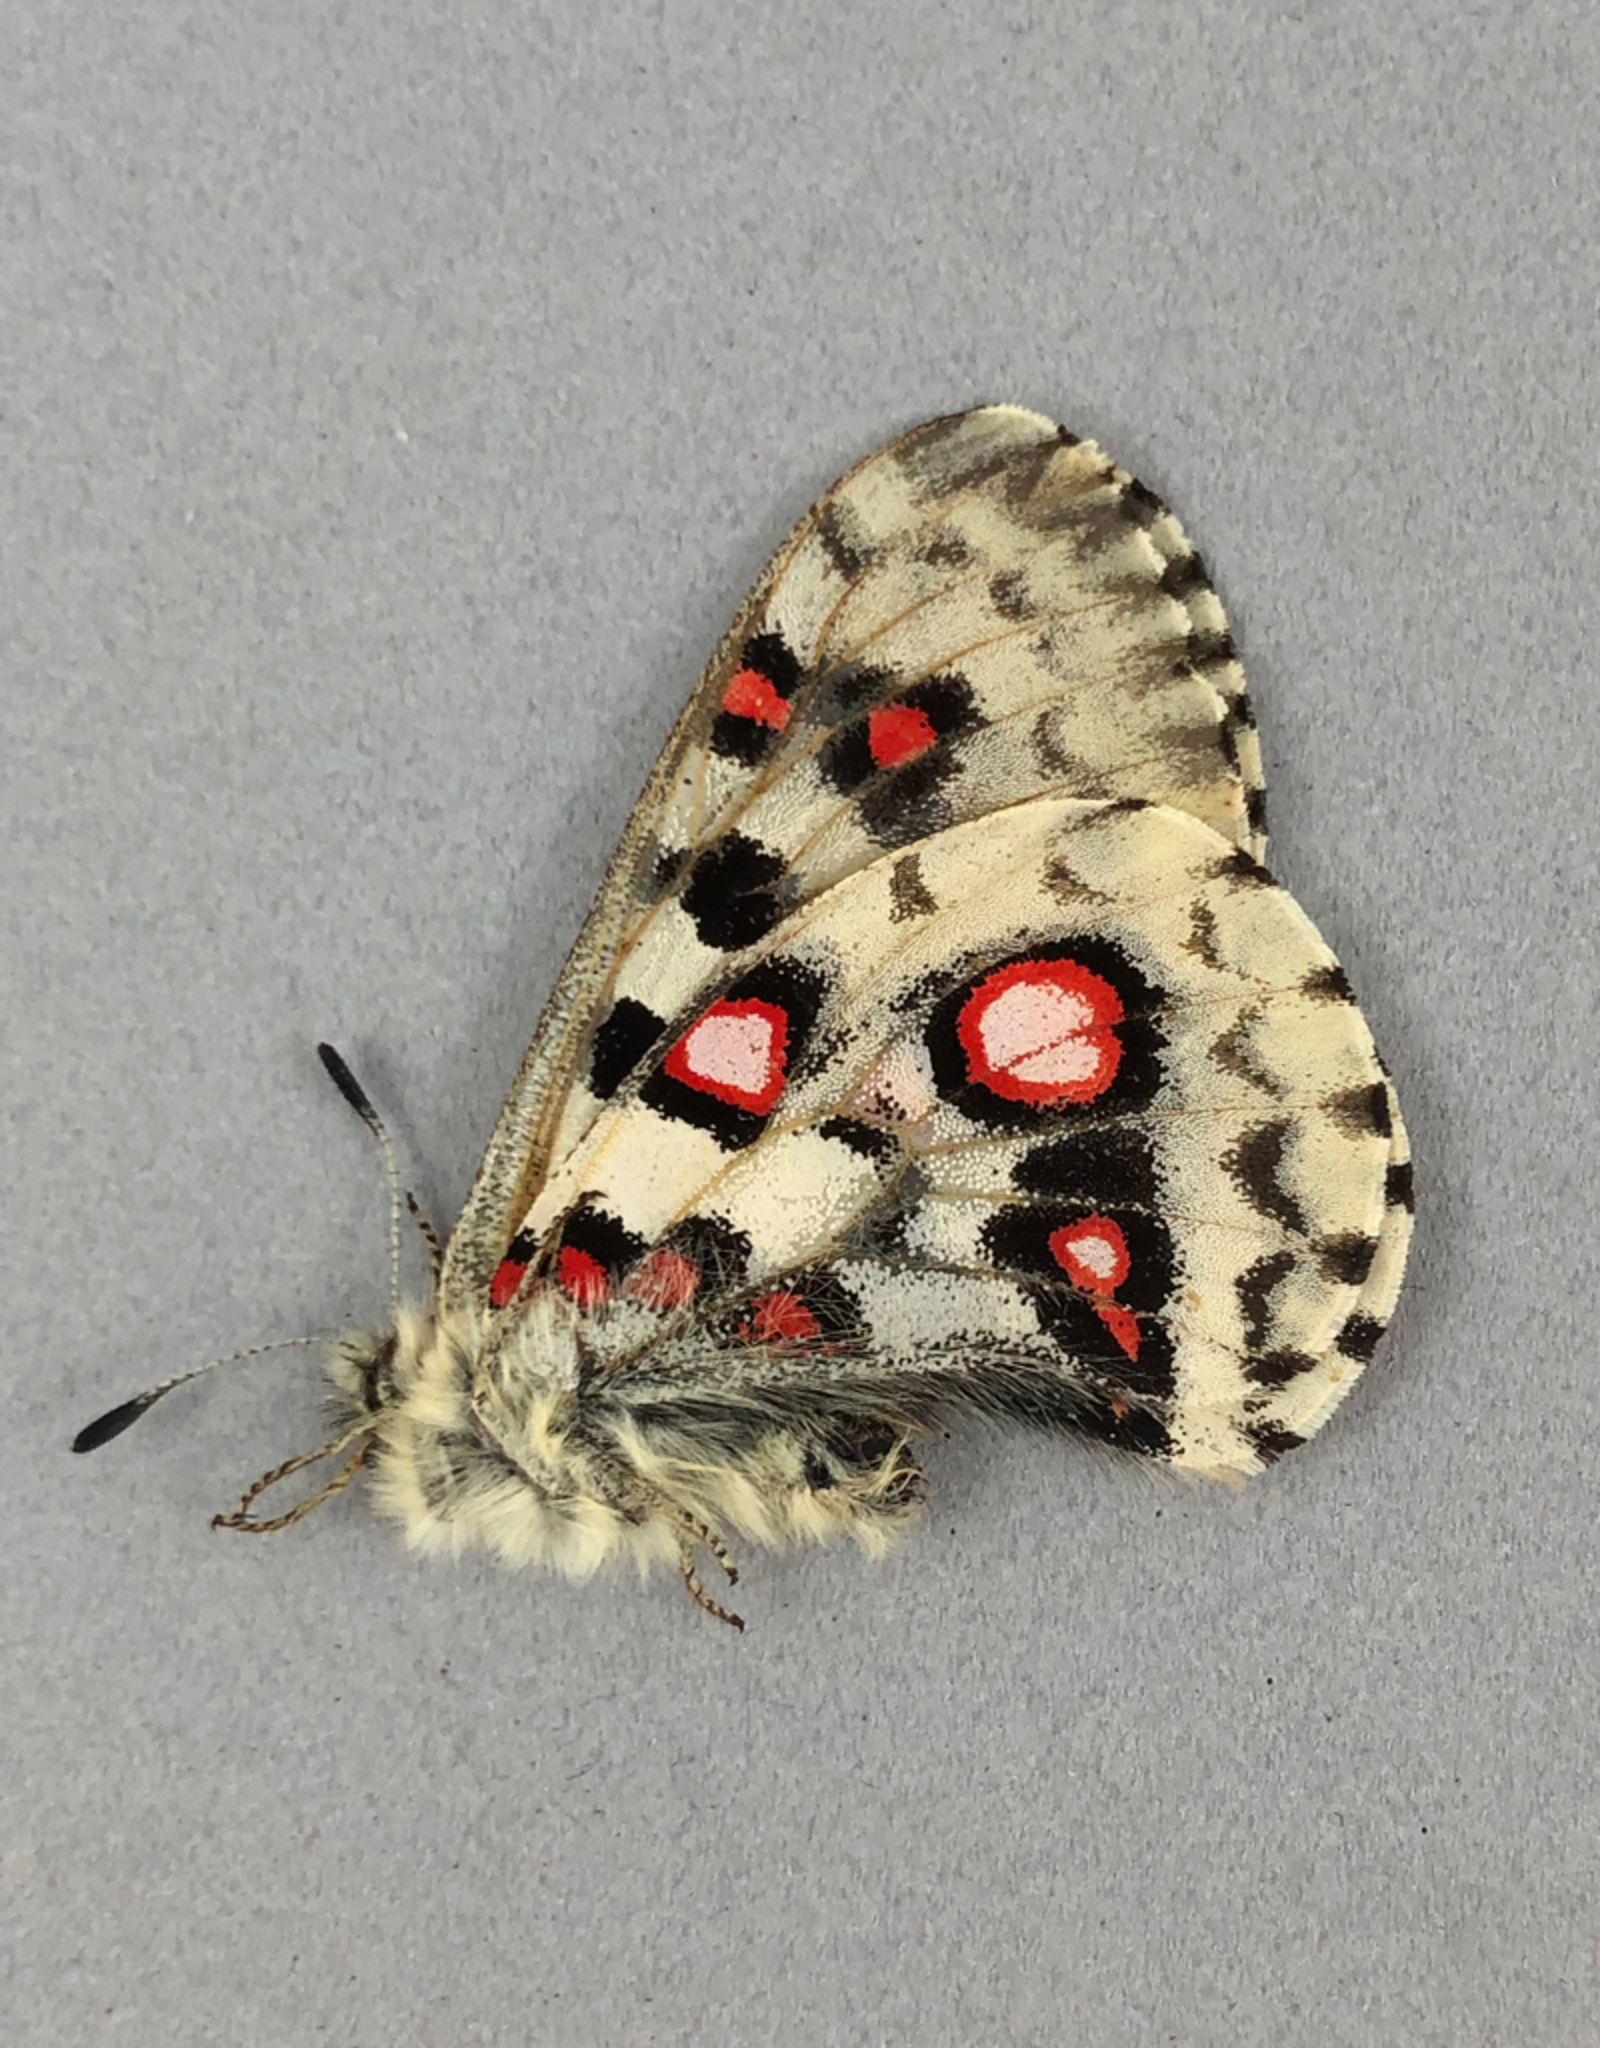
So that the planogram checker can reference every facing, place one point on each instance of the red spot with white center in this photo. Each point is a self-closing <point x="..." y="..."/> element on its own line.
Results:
<point x="1092" y="1254"/>
<point x="751" y="695"/>
<point x="663" y="1280"/>
<point x="581" y="1277"/>
<point x="779" y="1318"/>
<point x="507" y="1279"/>
<point x="898" y="732"/>
<point x="1043" y="1032"/>
<point x="736" y="1053"/>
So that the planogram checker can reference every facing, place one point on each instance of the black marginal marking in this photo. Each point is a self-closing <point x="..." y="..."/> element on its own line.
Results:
<point x="1103" y="1164"/>
<point x="1139" y="1035"/>
<point x="1347" y="1257"/>
<point x="1202" y="939"/>
<point x="863" y="1138"/>
<point x="789" y="985"/>
<point x="847" y="559"/>
<point x="1242" y="867"/>
<point x="1236" y="1053"/>
<point x="1277" y="1368"/>
<point x="1272" y="1440"/>
<point x="1255" y="811"/>
<point x="1181" y="578"/>
<point x="1399" y="1186"/>
<point x="1328" y="984"/>
<point x="909" y="895"/>
<point x="1255" y="1287"/>
<point x="1209" y="647"/>
<point x="1360" y="1112"/>
<point x="1254" y="1165"/>
<point x="1067" y="438"/>
<point x="1142" y="505"/>
<point x="621" y="1039"/>
<point x="730" y="896"/>
<point x="1359" y="1337"/>
<point x="1051" y="756"/>
<point x="1067" y="886"/>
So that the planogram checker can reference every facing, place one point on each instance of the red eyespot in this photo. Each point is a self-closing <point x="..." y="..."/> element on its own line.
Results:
<point x="734" y="1052"/>
<point x="1042" y="1031"/>
<point x="1092" y="1254"/>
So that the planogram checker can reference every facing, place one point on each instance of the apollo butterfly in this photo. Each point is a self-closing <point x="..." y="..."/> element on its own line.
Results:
<point x="937" y="1044"/>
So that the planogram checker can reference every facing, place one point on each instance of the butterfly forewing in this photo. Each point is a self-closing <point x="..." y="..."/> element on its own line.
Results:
<point x="985" y="610"/>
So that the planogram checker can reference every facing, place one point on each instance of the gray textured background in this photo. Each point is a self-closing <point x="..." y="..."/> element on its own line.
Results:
<point x="396" y="401"/>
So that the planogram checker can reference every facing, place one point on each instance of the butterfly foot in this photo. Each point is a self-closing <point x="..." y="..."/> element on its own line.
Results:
<point x="691" y="1579"/>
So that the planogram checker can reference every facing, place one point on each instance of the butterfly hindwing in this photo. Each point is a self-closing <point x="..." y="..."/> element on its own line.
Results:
<point x="1040" y="1149"/>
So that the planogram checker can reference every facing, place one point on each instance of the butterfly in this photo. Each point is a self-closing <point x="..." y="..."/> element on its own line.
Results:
<point x="937" y="1045"/>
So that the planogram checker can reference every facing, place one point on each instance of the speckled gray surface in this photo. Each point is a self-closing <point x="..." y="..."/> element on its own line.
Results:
<point x="395" y="404"/>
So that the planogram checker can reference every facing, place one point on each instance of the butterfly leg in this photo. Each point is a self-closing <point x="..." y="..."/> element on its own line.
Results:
<point x="691" y="1578"/>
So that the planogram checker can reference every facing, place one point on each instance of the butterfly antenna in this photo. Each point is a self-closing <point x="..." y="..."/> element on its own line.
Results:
<point x="127" y="1413"/>
<point x="353" y="1092"/>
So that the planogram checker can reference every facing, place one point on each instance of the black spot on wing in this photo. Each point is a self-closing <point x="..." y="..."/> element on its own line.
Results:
<point x="909" y="895"/>
<point x="1103" y="1164"/>
<point x="1347" y="1257"/>
<point x="731" y="894"/>
<point x="1255" y="1287"/>
<point x="1184" y="576"/>
<point x="1271" y="1441"/>
<point x="1141" y="504"/>
<point x="1328" y="984"/>
<point x="1359" y="1337"/>
<point x="841" y="543"/>
<point x="747" y="740"/>
<point x="1018" y="1240"/>
<point x="862" y="1138"/>
<point x="621" y="1039"/>
<point x="1278" y="1368"/>
<point x="1255" y="1166"/>
<point x="1399" y="1185"/>
<point x="1362" y="1112"/>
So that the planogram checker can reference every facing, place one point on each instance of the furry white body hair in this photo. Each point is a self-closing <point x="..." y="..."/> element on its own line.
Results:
<point x="529" y="1463"/>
